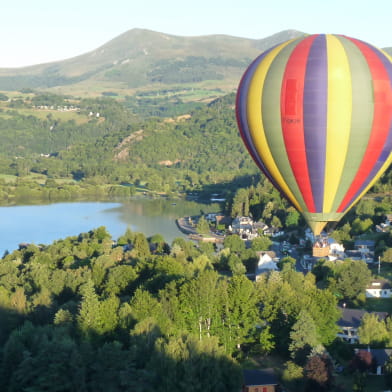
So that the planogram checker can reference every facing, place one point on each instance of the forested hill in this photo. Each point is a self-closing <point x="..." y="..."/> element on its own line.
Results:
<point x="140" y="59"/>
<point x="100" y="141"/>
<point x="64" y="142"/>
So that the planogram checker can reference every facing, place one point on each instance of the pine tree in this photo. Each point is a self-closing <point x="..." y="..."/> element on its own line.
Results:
<point x="303" y="335"/>
<point x="89" y="318"/>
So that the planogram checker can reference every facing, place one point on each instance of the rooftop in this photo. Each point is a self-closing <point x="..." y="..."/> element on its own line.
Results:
<point x="352" y="317"/>
<point x="254" y="377"/>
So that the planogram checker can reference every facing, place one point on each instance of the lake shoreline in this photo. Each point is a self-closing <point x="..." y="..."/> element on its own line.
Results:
<point x="45" y="223"/>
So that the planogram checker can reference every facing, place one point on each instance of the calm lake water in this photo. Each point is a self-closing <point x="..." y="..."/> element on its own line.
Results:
<point x="42" y="224"/>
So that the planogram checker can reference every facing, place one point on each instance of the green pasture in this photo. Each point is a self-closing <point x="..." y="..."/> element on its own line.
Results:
<point x="43" y="114"/>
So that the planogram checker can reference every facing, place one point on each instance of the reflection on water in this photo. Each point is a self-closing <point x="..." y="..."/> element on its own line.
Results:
<point x="42" y="224"/>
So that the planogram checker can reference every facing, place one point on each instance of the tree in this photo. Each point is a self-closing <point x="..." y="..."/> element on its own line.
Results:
<point x="101" y="233"/>
<point x="63" y="317"/>
<point x="141" y="249"/>
<point x="323" y="308"/>
<point x="261" y="243"/>
<point x="234" y="243"/>
<point x="235" y="264"/>
<point x="200" y="301"/>
<point x="388" y="373"/>
<point x="318" y="374"/>
<point x="351" y="278"/>
<point x="386" y="257"/>
<point x="240" y="206"/>
<point x="275" y="222"/>
<point x="18" y="300"/>
<point x="360" y="226"/>
<point x="158" y="243"/>
<point x="292" y="218"/>
<point x="288" y="260"/>
<point x="89" y="318"/>
<point x="342" y="234"/>
<point x="365" y="207"/>
<point x="359" y="381"/>
<point x="266" y="340"/>
<point x="179" y="363"/>
<point x="240" y="313"/>
<point x="42" y="358"/>
<point x="362" y="361"/>
<point x="303" y="336"/>
<point x="113" y="369"/>
<point x="145" y="307"/>
<point x="372" y="330"/>
<point x="108" y="309"/>
<point x="119" y="278"/>
<point x="292" y="376"/>
<point x="202" y="226"/>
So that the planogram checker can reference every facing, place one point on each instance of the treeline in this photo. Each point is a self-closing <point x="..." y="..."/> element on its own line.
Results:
<point x="141" y="314"/>
<point x="28" y="192"/>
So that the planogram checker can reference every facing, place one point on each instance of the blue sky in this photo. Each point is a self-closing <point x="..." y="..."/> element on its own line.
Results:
<point x="47" y="30"/>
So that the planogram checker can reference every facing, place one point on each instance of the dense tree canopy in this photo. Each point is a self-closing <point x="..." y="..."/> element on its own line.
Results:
<point x="126" y="308"/>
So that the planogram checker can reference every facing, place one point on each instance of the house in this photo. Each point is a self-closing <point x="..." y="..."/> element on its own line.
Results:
<point x="385" y="226"/>
<point x="366" y="249"/>
<point x="350" y="321"/>
<point x="335" y="248"/>
<point x="379" y="288"/>
<point x="365" y="245"/>
<point x="263" y="380"/>
<point x="242" y="226"/>
<point x="380" y="357"/>
<point x="360" y="255"/>
<point x="273" y="232"/>
<point x="266" y="263"/>
<point x="260" y="226"/>
<point x="213" y="217"/>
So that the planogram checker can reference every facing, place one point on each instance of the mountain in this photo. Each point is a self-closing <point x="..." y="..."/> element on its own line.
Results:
<point x="143" y="60"/>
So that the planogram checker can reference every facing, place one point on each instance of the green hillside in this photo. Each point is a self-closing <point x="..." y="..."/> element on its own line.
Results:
<point x="146" y="60"/>
<point x="101" y="142"/>
<point x="140" y="62"/>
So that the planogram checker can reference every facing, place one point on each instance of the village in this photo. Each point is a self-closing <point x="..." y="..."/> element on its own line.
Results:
<point x="306" y="258"/>
<point x="307" y="251"/>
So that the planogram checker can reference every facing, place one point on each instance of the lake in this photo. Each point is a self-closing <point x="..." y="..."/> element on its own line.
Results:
<point x="42" y="224"/>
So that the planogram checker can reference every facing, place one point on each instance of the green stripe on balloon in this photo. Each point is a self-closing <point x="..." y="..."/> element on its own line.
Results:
<point x="361" y="119"/>
<point x="272" y="120"/>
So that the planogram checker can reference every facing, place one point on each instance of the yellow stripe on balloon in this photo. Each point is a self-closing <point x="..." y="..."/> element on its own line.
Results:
<point x="339" y="111"/>
<point x="255" y="121"/>
<point x="373" y="181"/>
<point x="386" y="55"/>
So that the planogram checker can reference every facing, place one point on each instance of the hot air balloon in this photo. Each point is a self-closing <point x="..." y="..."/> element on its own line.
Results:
<point x="315" y="114"/>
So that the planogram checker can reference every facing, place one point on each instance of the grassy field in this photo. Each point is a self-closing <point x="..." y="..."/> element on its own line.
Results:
<point x="42" y="114"/>
<point x="8" y="178"/>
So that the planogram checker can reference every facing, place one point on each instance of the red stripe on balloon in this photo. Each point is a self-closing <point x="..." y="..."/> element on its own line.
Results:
<point x="292" y="118"/>
<point x="381" y="120"/>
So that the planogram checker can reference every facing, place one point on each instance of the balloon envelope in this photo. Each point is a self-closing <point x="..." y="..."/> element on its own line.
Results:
<point x="316" y="116"/>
